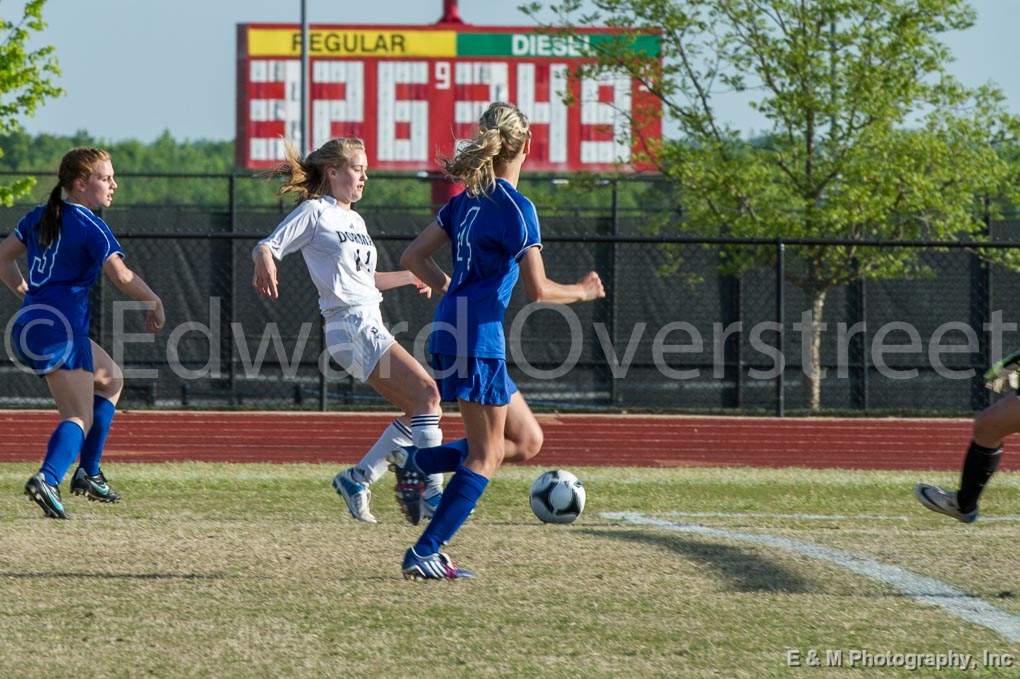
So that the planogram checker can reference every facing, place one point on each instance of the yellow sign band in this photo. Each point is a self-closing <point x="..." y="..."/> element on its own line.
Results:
<point x="286" y="42"/>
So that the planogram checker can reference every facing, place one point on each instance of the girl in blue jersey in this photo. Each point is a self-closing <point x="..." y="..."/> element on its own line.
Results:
<point x="494" y="235"/>
<point x="67" y="246"/>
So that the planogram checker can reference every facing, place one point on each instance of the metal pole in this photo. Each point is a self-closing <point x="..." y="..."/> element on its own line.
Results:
<point x="306" y="149"/>
<point x="780" y="266"/>
<point x="231" y="313"/>
<point x="304" y="142"/>
<point x="323" y="366"/>
<point x="864" y="346"/>
<point x="981" y="315"/>
<point x="613" y="283"/>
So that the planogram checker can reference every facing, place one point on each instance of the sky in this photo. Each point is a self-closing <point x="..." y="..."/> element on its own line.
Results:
<point x="134" y="68"/>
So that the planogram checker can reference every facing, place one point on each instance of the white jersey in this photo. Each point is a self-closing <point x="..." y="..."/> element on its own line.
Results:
<point x="338" y="251"/>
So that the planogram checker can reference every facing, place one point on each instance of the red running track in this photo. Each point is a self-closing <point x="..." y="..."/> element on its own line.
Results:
<point x="570" y="440"/>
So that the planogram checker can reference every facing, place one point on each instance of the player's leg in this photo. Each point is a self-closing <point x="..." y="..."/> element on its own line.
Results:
<point x="352" y="484"/>
<point x="484" y="426"/>
<point x="522" y="434"/>
<point x="982" y="459"/>
<point x="524" y="437"/>
<point x="402" y="381"/>
<point x="108" y="383"/>
<point x="990" y="428"/>
<point x="72" y="393"/>
<point x="405" y="383"/>
<point x="360" y="343"/>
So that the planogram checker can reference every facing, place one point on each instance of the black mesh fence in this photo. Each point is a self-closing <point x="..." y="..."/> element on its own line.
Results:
<point x="687" y="325"/>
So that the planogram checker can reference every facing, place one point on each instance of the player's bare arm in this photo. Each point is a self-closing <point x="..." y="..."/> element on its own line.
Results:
<point x="10" y="250"/>
<point x="264" y="279"/>
<point x="132" y="285"/>
<point x="542" y="289"/>
<point x="387" y="280"/>
<point x="417" y="258"/>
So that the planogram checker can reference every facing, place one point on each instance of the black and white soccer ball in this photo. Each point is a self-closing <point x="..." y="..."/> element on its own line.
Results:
<point x="557" y="497"/>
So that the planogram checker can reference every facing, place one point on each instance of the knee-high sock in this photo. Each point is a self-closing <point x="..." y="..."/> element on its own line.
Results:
<point x="978" y="467"/>
<point x="441" y="459"/>
<point x="425" y="433"/>
<point x="92" y="451"/>
<point x="373" y="464"/>
<point x="461" y="496"/>
<point x="65" y="444"/>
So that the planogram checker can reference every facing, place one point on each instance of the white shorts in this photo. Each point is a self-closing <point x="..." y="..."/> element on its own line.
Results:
<point x="356" y="339"/>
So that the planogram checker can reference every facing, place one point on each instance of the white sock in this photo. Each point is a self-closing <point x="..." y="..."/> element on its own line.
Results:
<point x="425" y="433"/>
<point x="373" y="465"/>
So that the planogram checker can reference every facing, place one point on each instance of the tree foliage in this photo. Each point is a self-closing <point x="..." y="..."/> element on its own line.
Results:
<point x="25" y="80"/>
<point x="867" y="134"/>
<point x="35" y="154"/>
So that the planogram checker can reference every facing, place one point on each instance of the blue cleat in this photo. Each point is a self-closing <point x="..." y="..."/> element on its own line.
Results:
<point x="410" y="483"/>
<point x="46" y="496"/>
<point x="356" y="495"/>
<point x="436" y="566"/>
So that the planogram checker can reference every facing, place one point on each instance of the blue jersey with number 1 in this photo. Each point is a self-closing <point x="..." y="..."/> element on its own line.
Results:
<point x="489" y="234"/>
<point x="60" y="275"/>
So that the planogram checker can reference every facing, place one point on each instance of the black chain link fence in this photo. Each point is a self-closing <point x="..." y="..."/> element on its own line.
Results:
<point x="678" y="330"/>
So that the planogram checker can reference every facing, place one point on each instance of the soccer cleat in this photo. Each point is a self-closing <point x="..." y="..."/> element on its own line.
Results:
<point x="436" y="566"/>
<point x="1004" y="374"/>
<point x="46" y="496"/>
<point x="410" y="483"/>
<point x="430" y="501"/>
<point x="95" y="488"/>
<point x="938" y="500"/>
<point x="355" y="494"/>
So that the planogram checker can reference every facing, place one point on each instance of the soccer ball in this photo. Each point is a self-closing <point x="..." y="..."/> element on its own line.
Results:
<point x="557" y="497"/>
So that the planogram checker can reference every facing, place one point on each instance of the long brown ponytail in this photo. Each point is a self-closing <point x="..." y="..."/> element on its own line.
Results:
<point x="76" y="164"/>
<point x="502" y="132"/>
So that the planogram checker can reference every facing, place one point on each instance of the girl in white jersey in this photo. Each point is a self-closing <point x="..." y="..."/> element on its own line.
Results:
<point x="341" y="260"/>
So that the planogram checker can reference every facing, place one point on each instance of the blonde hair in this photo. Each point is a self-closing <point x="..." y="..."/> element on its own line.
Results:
<point x="76" y="164"/>
<point x="307" y="177"/>
<point x="502" y="133"/>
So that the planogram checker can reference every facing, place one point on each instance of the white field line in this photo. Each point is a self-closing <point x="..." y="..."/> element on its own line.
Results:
<point x="918" y="587"/>
<point x="819" y="517"/>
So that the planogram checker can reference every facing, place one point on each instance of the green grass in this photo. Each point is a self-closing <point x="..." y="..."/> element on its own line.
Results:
<point x="255" y="570"/>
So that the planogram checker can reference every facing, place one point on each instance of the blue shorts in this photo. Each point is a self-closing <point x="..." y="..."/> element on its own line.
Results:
<point x="476" y="380"/>
<point x="42" y="349"/>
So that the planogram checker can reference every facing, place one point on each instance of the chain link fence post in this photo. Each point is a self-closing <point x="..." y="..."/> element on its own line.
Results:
<point x="780" y="320"/>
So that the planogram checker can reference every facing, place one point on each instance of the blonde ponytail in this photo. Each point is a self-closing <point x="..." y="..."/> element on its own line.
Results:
<point x="307" y="177"/>
<point x="502" y="133"/>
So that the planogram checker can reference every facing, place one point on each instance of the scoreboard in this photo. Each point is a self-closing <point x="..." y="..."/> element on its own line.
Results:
<point x="411" y="91"/>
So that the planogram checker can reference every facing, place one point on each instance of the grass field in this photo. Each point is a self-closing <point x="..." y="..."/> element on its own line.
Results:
<point x="254" y="570"/>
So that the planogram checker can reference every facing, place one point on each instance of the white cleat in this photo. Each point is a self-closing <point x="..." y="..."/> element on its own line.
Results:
<point x="938" y="500"/>
<point x="356" y="495"/>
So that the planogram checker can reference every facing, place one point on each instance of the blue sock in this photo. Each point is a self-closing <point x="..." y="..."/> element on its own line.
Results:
<point x="92" y="451"/>
<point x="64" y="446"/>
<point x="444" y="458"/>
<point x="459" y="498"/>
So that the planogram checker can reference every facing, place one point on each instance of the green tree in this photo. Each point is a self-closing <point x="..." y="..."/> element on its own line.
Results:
<point x="24" y="81"/>
<point x="868" y="136"/>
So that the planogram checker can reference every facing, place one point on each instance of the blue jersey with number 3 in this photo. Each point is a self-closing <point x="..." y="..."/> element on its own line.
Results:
<point x="60" y="275"/>
<point x="489" y="234"/>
